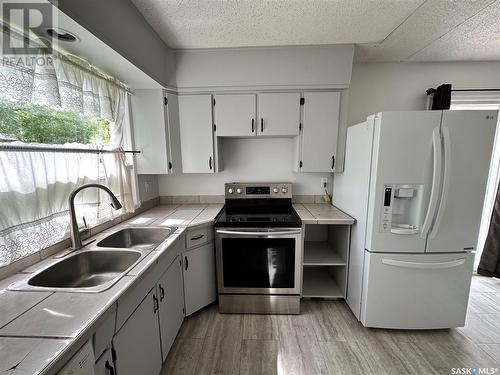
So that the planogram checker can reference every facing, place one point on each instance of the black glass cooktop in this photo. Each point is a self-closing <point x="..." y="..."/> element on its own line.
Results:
<point x="253" y="213"/>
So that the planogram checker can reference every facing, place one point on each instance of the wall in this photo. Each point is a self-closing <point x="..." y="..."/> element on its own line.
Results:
<point x="246" y="160"/>
<point x="401" y="86"/>
<point x="121" y="26"/>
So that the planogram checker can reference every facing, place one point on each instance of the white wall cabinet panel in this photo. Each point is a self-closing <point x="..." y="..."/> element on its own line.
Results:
<point x="199" y="277"/>
<point x="279" y="114"/>
<point x="156" y="131"/>
<point x="174" y="133"/>
<point x="137" y="344"/>
<point x="196" y="131"/>
<point x="235" y="115"/>
<point x="320" y="129"/>
<point x="171" y="298"/>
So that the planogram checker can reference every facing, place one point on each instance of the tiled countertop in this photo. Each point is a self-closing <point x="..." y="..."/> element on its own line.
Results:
<point x="322" y="213"/>
<point x="39" y="329"/>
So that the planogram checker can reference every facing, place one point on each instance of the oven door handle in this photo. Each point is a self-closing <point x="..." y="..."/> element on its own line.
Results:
<point x="258" y="233"/>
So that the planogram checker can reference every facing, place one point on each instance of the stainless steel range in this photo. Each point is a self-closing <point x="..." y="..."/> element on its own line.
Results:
<point x="259" y="250"/>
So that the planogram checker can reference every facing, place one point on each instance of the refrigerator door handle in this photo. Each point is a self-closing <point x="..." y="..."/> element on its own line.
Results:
<point x="421" y="265"/>
<point x="436" y="182"/>
<point x="446" y="180"/>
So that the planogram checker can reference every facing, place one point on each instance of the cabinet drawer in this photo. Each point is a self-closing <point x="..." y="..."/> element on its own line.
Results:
<point x="104" y="333"/>
<point x="104" y="365"/>
<point x="199" y="236"/>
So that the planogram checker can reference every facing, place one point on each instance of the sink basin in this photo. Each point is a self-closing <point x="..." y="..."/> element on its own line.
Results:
<point x="137" y="238"/>
<point x="86" y="269"/>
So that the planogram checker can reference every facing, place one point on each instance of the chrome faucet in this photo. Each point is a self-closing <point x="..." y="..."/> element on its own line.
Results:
<point x="76" y="240"/>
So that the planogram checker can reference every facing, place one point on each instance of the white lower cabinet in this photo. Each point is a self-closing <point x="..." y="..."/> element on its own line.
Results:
<point x="199" y="277"/>
<point x="104" y="365"/>
<point x="137" y="344"/>
<point x="171" y="309"/>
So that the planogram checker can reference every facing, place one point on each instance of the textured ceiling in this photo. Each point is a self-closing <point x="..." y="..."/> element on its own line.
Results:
<point x="384" y="30"/>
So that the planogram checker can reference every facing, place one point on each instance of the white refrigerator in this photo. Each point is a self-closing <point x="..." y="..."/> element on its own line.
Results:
<point x="415" y="182"/>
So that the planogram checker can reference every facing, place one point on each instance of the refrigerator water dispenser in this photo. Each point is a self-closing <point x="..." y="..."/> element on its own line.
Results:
<point x="401" y="209"/>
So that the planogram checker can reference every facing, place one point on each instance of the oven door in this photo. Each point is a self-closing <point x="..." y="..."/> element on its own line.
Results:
<point x="258" y="260"/>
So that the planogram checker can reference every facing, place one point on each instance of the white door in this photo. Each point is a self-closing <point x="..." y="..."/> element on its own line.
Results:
<point x="402" y="154"/>
<point x="279" y="114"/>
<point x="467" y="147"/>
<point x="137" y="344"/>
<point x="174" y="140"/>
<point x="196" y="129"/>
<point x="416" y="291"/>
<point x="199" y="277"/>
<point x="320" y="129"/>
<point x="235" y="115"/>
<point x="171" y="297"/>
<point x="150" y="131"/>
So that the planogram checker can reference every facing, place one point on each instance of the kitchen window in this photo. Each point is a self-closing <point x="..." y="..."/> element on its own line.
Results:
<point x="62" y="125"/>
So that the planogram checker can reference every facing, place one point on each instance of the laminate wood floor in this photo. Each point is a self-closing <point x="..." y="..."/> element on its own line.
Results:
<point x="327" y="339"/>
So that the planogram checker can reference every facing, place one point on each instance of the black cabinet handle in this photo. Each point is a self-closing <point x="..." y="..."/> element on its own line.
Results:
<point x="261" y="124"/>
<point x="197" y="237"/>
<point x="162" y="292"/>
<point x="333" y="161"/>
<point x="110" y="368"/>
<point x="210" y="162"/>
<point x="186" y="262"/>
<point x="155" y="304"/>
<point x="253" y="125"/>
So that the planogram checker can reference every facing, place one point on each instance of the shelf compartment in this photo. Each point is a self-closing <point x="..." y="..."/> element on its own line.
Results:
<point x="319" y="282"/>
<point x="319" y="253"/>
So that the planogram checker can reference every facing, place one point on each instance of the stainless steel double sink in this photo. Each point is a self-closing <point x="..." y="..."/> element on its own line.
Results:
<point x="99" y="268"/>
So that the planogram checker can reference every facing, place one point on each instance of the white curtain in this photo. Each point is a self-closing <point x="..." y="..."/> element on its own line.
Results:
<point x="35" y="186"/>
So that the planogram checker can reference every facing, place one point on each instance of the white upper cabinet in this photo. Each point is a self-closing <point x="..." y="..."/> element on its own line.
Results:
<point x="156" y="131"/>
<point x="196" y="133"/>
<point x="320" y="129"/>
<point x="235" y="115"/>
<point x="279" y="114"/>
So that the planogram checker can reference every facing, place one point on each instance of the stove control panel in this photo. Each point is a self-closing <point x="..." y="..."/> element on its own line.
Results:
<point x="239" y="190"/>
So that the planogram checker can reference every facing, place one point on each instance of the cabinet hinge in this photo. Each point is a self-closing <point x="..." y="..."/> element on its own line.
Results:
<point x="184" y="311"/>
<point x="113" y="354"/>
<point x="300" y="164"/>
<point x="302" y="101"/>
<point x="214" y="101"/>
<point x="165" y="100"/>
<point x="169" y="165"/>
<point x="300" y="127"/>
<point x="215" y="128"/>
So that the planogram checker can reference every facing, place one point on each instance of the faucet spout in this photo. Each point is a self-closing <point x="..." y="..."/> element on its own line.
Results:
<point x="76" y="240"/>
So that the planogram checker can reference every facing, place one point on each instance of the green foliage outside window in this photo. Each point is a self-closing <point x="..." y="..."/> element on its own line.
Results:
<point x="27" y="122"/>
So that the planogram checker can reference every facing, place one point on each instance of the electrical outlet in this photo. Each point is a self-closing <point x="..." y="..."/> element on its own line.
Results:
<point x="324" y="182"/>
<point x="147" y="186"/>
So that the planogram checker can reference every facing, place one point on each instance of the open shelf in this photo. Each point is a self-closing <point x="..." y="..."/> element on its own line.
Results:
<point x="319" y="253"/>
<point x="319" y="283"/>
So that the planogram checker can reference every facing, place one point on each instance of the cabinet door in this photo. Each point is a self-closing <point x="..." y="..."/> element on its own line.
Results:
<point x="196" y="129"/>
<point x="279" y="114"/>
<point x="137" y="344"/>
<point x="235" y="115"/>
<point x="199" y="277"/>
<point x="150" y="131"/>
<point x="174" y="135"/>
<point x="320" y="131"/>
<point x="104" y="365"/>
<point x="171" y="296"/>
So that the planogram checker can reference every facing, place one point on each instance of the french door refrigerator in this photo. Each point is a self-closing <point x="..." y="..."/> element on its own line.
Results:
<point x="415" y="182"/>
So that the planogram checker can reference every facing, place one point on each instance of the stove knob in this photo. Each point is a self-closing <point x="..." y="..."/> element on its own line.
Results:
<point x="230" y="190"/>
<point x="239" y="191"/>
<point x="284" y="190"/>
<point x="276" y="190"/>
